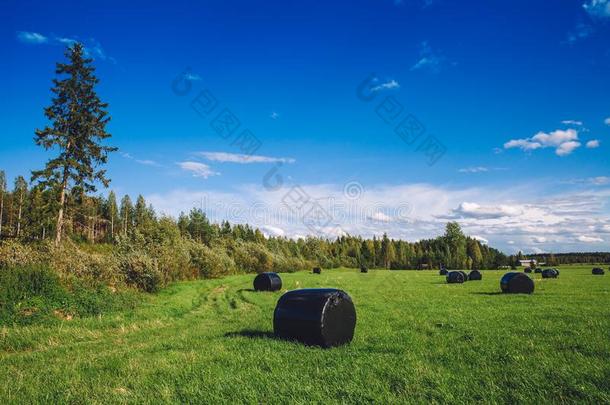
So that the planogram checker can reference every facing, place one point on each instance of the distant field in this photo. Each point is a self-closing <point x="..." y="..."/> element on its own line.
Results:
<point x="418" y="339"/>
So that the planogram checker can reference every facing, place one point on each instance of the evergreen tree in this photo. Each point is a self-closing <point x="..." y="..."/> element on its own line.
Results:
<point x="78" y="126"/>
<point x="112" y="213"/>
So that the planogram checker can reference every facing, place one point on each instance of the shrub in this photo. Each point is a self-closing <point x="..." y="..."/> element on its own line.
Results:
<point x="13" y="253"/>
<point x="141" y="271"/>
<point x="211" y="263"/>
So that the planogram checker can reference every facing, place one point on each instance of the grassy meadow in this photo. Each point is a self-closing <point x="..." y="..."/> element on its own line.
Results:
<point x="417" y="339"/>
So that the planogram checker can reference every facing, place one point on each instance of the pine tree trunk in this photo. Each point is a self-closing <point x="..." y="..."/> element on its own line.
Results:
<point x="62" y="202"/>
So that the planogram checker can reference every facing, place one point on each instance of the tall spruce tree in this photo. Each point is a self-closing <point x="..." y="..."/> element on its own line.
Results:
<point x="78" y="127"/>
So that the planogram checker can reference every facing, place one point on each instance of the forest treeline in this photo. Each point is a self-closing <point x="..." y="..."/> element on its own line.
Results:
<point x="126" y="242"/>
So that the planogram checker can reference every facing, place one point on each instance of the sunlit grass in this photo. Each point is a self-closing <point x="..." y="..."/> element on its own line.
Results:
<point x="417" y="339"/>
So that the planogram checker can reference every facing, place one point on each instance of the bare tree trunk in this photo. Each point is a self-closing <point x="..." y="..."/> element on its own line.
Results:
<point x="62" y="203"/>
<point x="1" y="211"/>
<point x="19" y="214"/>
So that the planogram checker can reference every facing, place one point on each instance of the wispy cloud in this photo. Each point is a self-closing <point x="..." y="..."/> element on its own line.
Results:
<point x="476" y="169"/>
<point x="145" y="162"/>
<point x="572" y="122"/>
<point x="581" y="31"/>
<point x="589" y="239"/>
<point x="225" y="157"/>
<point x="193" y="77"/>
<point x="593" y="181"/>
<point x="607" y="121"/>
<point x="389" y="85"/>
<point x="597" y="8"/>
<point x="428" y="59"/>
<point x="31" y="37"/>
<point x="563" y="141"/>
<point x="198" y="169"/>
<point x="91" y="46"/>
<point x="592" y="144"/>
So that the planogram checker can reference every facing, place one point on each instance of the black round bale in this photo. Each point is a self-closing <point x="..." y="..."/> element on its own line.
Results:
<point x="464" y="274"/>
<point x="475" y="275"/>
<point x="598" y="271"/>
<point x="267" y="282"/>
<point x="517" y="283"/>
<point x="364" y="270"/>
<point x="549" y="273"/>
<point x="324" y="317"/>
<point x="454" y="277"/>
<point x="556" y="271"/>
<point x="317" y="270"/>
<point x="538" y="270"/>
<point x="443" y="272"/>
<point x="527" y="270"/>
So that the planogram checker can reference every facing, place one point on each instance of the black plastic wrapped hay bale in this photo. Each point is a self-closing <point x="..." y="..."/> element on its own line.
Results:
<point x="464" y="274"/>
<point x="454" y="277"/>
<point x="598" y="271"/>
<point x="323" y="317"/>
<point x="517" y="283"/>
<point x="556" y="271"/>
<point x="267" y="282"/>
<point x="549" y="273"/>
<point x="317" y="270"/>
<point x="443" y="272"/>
<point x="538" y="270"/>
<point x="364" y="270"/>
<point x="475" y="275"/>
<point x="527" y="270"/>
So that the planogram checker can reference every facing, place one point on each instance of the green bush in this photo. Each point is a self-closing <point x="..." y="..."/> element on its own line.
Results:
<point x="13" y="253"/>
<point x="36" y="293"/>
<point x="211" y="263"/>
<point x="141" y="271"/>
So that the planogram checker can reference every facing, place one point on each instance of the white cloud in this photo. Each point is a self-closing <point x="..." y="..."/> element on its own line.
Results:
<point x="225" y="157"/>
<point x="566" y="148"/>
<point x="597" y="8"/>
<point x="380" y="216"/>
<point x="428" y="59"/>
<point x="147" y="162"/>
<point x="192" y="77"/>
<point x="392" y="84"/>
<point x="592" y="144"/>
<point x="508" y="216"/>
<point x="198" y="169"/>
<point x="270" y="230"/>
<point x="477" y="169"/>
<point x="539" y="239"/>
<point x="31" y="37"/>
<point x="572" y="122"/>
<point x="589" y="239"/>
<point x="474" y="210"/>
<point x="607" y="121"/>
<point x="564" y="141"/>
<point x="481" y="239"/>
<point x="274" y="115"/>
<point x="522" y="144"/>
<point x="581" y="31"/>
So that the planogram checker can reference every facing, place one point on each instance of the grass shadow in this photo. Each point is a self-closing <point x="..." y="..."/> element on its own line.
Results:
<point x="246" y="290"/>
<point x="487" y="293"/>
<point x="251" y="334"/>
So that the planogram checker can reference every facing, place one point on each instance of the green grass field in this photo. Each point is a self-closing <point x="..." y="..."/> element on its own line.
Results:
<point x="417" y="339"/>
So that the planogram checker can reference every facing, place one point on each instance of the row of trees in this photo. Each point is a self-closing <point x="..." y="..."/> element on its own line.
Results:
<point x="28" y="214"/>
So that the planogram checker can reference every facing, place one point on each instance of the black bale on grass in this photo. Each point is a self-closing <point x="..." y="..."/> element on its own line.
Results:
<point x="364" y="270"/>
<point x="267" y="282"/>
<point x="443" y="271"/>
<point x="517" y="283"/>
<point x="538" y="270"/>
<point x="549" y="273"/>
<point x="527" y="270"/>
<point x="475" y="275"/>
<point x="323" y="317"/>
<point x="317" y="270"/>
<point x="598" y="271"/>
<point x="464" y="274"/>
<point x="455" y="277"/>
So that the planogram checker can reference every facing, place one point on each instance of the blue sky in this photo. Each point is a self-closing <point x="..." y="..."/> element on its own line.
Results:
<point x="511" y="101"/>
